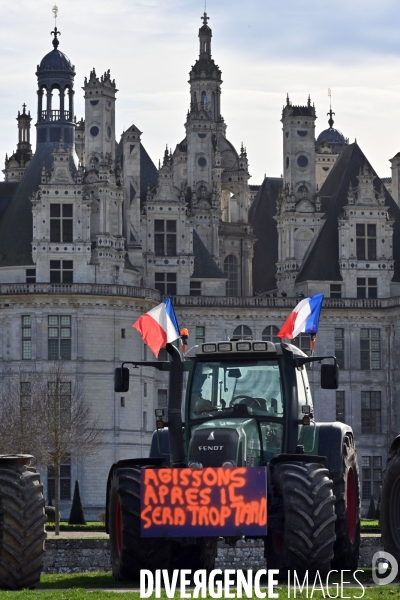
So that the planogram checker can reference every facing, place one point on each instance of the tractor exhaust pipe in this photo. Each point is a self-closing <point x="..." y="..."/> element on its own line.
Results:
<point x="175" y="425"/>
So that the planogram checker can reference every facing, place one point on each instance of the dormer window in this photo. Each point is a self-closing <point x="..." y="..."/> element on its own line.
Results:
<point x="61" y="223"/>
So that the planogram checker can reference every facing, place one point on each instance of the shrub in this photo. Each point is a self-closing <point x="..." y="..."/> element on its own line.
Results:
<point x="102" y="517"/>
<point x="76" y="516"/>
<point x="50" y="513"/>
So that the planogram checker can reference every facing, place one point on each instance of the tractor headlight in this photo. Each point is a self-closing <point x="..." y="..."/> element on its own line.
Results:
<point x="229" y="463"/>
<point x="209" y="347"/>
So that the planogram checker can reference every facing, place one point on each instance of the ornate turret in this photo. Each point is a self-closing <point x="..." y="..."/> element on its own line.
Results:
<point x="55" y="96"/>
<point x="205" y="77"/>
<point x="16" y="165"/>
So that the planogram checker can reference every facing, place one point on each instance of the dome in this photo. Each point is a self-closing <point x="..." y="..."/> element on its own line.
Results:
<point x="332" y="136"/>
<point x="56" y="61"/>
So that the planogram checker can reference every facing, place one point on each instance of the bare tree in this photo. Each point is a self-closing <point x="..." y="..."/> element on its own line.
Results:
<point x="19" y="417"/>
<point x="54" y="422"/>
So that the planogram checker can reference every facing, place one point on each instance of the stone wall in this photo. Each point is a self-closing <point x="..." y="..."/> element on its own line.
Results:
<point x="72" y="555"/>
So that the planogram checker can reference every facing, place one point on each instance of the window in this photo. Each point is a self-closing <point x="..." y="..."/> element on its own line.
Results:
<point x="144" y="351"/>
<point x="200" y="334"/>
<point x="165" y="283"/>
<point x="30" y="275"/>
<point x="61" y="394"/>
<point x="61" y="271"/>
<point x="59" y="337"/>
<point x="162" y="399"/>
<point x="231" y="272"/>
<point x="164" y="238"/>
<point x="145" y="389"/>
<point x="339" y="346"/>
<point x="336" y="290"/>
<point x="144" y="420"/>
<point x="367" y="287"/>
<point x="270" y="334"/>
<point x="122" y="402"/>
<point x="370" y="412"/>
<point x="243" y="332"/>
<point x="65" y="482"/>
<point x="303" y="342"/>
<point x="340" y="407"/>
<point x="61" y="223"/>
<point x="195" y="288"/>
<point x="25" y="395"/>
<point x="371" y="477"/>
<point x="366" y="241"/>
<point x="26" y="337"/>
<point x="370" y="349"/>
<point x="123" y="334"/>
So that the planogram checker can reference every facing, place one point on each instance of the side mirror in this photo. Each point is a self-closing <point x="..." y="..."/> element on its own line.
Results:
<point x="330" y="377"/>
<point x="121" y="379"/>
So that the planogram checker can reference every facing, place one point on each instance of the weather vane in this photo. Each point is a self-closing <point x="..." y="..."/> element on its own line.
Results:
<point x="330" y="113"/>
<point x="55" y="32"/>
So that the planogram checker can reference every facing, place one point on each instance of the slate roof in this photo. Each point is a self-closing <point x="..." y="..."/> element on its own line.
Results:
<point x="148" y="173"/>
<point x="204" y="265"/>
<point x="261" y="217"/>
<point x="56" y="61"/>
<point x="322" y="262"/>
<point x="7" y="191"/>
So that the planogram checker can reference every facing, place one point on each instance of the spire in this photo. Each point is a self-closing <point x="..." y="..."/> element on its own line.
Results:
<point x="205" y="35"/>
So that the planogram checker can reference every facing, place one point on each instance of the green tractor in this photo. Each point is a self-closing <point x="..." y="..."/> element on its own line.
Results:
<point x="248" y="409"/>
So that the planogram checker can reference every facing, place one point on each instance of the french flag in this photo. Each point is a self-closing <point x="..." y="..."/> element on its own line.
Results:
<point x="159" y="326"/>
<point x="304" y="318"/>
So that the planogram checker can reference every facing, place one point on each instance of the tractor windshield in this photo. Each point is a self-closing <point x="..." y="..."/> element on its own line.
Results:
<point x="218" y="386"/>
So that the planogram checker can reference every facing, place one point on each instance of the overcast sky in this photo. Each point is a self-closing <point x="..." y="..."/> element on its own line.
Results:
<point x="265" y="48"/>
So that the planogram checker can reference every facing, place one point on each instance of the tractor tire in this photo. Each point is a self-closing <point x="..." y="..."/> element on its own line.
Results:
<point x="22" y="520"/>
<point x="346" y="489"/>
<point x="306" y="542"/>
<point x="200" y="555"/>
<point x="129" y="551"/>
<point x="390" y="506"/>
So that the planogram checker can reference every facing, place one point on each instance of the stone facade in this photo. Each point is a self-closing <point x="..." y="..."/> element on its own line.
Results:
<point x="92" y="235"/>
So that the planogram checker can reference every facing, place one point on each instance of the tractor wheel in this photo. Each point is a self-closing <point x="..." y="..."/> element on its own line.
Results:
<point x="346" y="489"/>
<point x="200" y="555"/>
<point x="22" y="522"/>
<point x="306" y="542"/>
<point x="390" y="506"/>
<point x="129" y="551"/>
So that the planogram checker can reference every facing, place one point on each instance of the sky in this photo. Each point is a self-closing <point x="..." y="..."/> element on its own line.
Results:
<point x="265" y="49"/>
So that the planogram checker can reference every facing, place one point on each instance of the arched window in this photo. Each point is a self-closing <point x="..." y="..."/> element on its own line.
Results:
<point x="270" y="334"/>
<point x="242" y="332"/>
<point x="231" y="271"/>
<point x="203" y="98"/>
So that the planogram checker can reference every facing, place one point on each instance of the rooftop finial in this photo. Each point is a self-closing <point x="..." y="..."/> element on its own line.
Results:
<point x="55" y="32"/>
<point x="330" y="113"/>
<point x="205" y="18"/>
<point x="24" y="107"/>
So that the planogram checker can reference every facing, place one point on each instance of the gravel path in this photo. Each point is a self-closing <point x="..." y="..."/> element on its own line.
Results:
<point x="77" y="534"/>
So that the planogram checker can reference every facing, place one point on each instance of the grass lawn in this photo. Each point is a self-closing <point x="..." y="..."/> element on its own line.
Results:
<point x="90" y="586"/>
<point x="90" y="526"/>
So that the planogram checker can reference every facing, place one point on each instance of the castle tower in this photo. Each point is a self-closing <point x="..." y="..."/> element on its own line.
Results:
<point x="204" y="118"/>
<point x="298" y="126"/>
<point x="298" y="216"/>
<point x="16" y="165"/>
<point x="99" y="117"/>
<point x="55" y="116"/>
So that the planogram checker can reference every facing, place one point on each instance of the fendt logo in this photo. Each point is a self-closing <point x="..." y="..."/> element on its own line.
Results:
<point x="211" y="436"/>
<point x="210" y="447"/>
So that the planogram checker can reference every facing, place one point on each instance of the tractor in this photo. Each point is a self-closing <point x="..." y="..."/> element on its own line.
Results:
<point x="248" y="413"/>
<point x="390" y="502"/>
